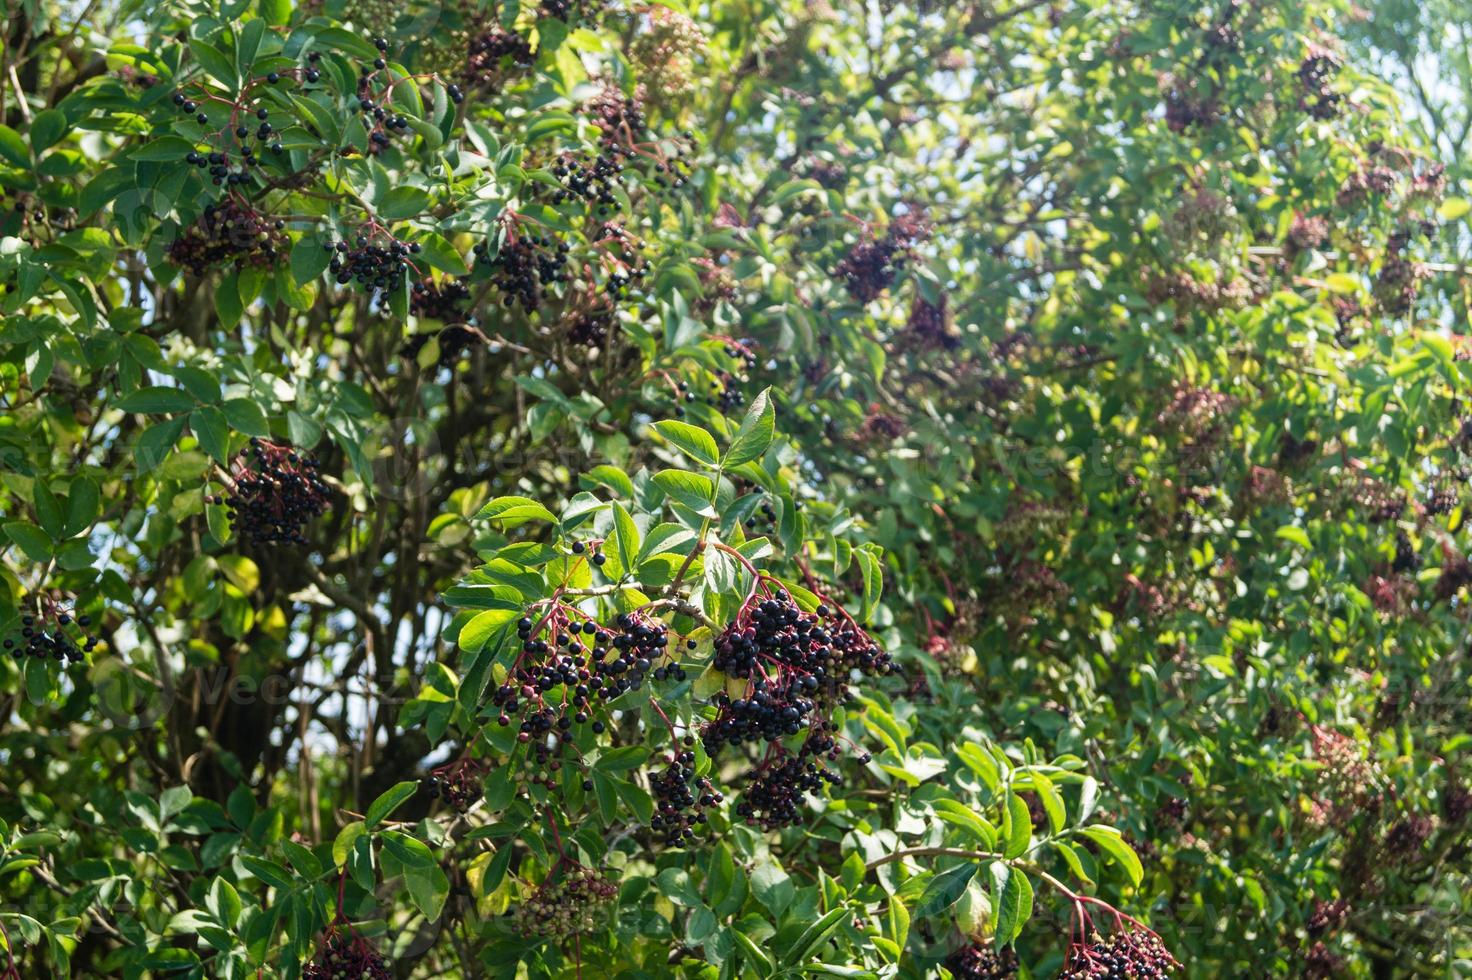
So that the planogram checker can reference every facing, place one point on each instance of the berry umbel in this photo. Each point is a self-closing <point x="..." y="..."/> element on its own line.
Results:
<point x="272" y="491"/>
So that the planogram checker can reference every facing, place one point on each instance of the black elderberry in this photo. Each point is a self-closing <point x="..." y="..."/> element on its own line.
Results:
<point x="457" y="783"/>
<point x="977" y="962"/>
<point x="347" y="957"/>
<point x="1133" y="955"/>
<point x="273" y="492"/>
<point x="231" y="232"/>
<point x="870" y="266"/>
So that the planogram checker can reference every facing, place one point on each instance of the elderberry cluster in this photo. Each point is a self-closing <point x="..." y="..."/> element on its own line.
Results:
<point x="220" y="163"/>
<point x="929" y="325"/>
<point x="51" y="637"/>
<point x="458" y="783"/>
<point x="439" y="299"/>
<point x="494" y="55"/>
<point x="724" y="395"/>
<point x="1315" y="75"/>
<point x="273" y="491"/>
<point x="343" y="958"/>
<point x="776" y="790"/>
<point x="1327" y="916"/>
<point x="590" y="663"/>
<point x="870" y="266"/>
<point x="567" y="907"/>
<point x="819" y="645"/>
<point x="454" y="341"/>
<point x="592" y="182"/>
<point x="976" y="962"/>
<point x="680" y="800"/>
<point x="625" y="138"/>
<point x="565" y="9"/>
<point x="382" y="124"/>
<point x="524" y="267"/>
<point x="229" y="232"/>
<point x="591" y="328"/>
<point x="769" y="714"/>
<point x="1132" y="955"/>
<point x="377" y="263"/>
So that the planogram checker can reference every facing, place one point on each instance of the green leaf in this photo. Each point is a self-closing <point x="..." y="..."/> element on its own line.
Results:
<point x="1012" y="899"/>
<point x="308" y="260"/>
<point x="441" y="255"/>
<point x="1111" y="842"/>
<point x="277" y="13"/>
<point x="213" y="432"/>
<point x="154" y="400"/>
<point x="387" y="802"/>
<point x="755" y="434"/>
<point x="46" y="129"/>
<point x="754" y="955"/>
<point x="692" y="440"/>
<point x="625" y="538"/>
<point x="247" y="417"/>
<point x="13" y="148"/>
<point x="403" y="202"/>
<point x="243" y="573"/>
<point x="815" y="934"/>
<point x="873" y="581"/>
<point x="83" y="505"/>
<point x="1451" y="209"/>
<point x="48" y="509"/>
<point x="1017" y="826"/>
<point x="1296" y="535"/>
<point x="516" y="510"/>
<point x="622" y="758"/>
<point x="475" y="634"/>
<point x="31" y="539"/>
<point x="214" y="62"/>
<point x="694" y="490"/>
<point x="945" y="889"/>
<point x="342" y="846"/>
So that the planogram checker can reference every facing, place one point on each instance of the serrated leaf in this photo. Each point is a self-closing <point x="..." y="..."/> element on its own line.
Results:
<point x="694" y="490"/>
<point x="1111" y="842"/>
<point x="1017" y="826"/>
<point x="1013" y="903"/>
<point x="441" y="255"/>
<point x="31" y="539"/>
<point x="388" y="801"/>
<point x="154" y="400"/>
<point x="755" y="433"/>
<point x="625" y="538"/>
<point x="691" y="440"/>
<point x="516" y="510"/>
<point x="212" y="430"/>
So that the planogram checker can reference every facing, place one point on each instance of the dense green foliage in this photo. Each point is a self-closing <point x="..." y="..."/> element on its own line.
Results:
<point x="748" y="488"/>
